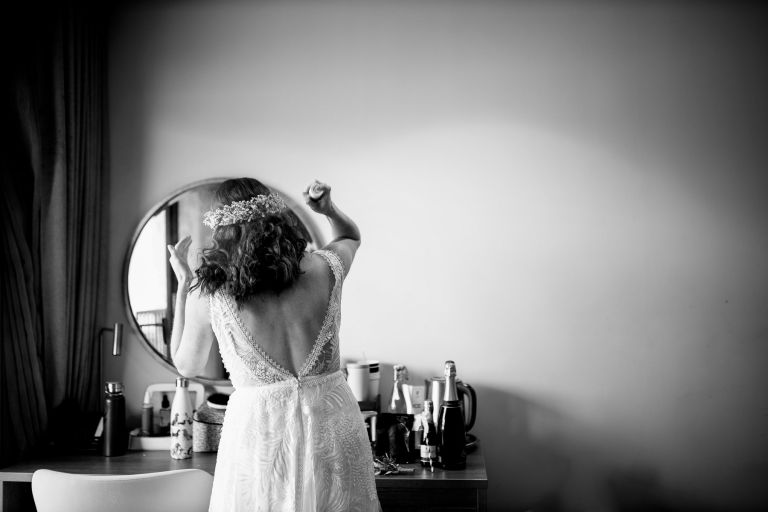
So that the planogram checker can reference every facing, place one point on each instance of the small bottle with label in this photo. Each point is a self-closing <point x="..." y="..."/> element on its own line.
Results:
<point x="429" y="440"/>
<point x="164" y="416"/>
<point x="181" y="421"/>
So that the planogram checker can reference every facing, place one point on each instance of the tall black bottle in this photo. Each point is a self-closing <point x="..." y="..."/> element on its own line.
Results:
<point x="115" y="433"/>
<point x="450" y="424"/>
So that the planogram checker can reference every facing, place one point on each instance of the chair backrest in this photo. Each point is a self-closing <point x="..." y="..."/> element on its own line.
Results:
<point x="183" y="489"/>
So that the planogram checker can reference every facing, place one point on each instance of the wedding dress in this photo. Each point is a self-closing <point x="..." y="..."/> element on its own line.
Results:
<point x="290" y="442"/>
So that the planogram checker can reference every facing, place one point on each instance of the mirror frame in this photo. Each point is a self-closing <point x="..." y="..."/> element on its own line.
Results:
<point x="301" y="213"/>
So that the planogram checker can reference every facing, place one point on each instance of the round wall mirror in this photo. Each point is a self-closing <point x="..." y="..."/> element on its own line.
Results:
<point x="149" y="284"/>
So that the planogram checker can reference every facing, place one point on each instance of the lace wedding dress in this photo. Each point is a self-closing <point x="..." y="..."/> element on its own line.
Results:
<point x="290" y="442"/>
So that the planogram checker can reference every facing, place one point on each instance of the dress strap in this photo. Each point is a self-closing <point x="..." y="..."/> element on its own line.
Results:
<point x="334" y="262"/>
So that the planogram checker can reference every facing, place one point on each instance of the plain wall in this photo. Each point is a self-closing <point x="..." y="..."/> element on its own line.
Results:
<point x="566" y="198"/>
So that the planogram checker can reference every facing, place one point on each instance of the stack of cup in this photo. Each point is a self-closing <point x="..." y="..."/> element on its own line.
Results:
<point x="363" y="378"/>
<point x="358" y="379"/>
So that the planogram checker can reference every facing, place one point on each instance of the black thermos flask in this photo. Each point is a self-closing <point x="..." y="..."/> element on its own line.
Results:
<point x="115" y="434"/>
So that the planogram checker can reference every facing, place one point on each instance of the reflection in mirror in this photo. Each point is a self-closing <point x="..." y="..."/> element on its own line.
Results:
<point x="149" y="282"/>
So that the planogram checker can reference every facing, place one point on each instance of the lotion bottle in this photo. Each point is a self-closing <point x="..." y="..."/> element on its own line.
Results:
<point x="164" y="416"/>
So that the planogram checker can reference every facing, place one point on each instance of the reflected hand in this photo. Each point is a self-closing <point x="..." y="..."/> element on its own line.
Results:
<point x="178" y="260"/>
<point x="318" y="197"/>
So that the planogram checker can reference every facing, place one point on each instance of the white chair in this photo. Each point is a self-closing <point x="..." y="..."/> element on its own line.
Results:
<point x="183" y="489"/>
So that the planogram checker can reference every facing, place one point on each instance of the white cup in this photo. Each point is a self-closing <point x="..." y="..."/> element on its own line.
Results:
<point x="357" y="378"/>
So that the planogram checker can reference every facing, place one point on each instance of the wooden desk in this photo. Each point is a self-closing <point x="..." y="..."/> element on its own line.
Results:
<point x="457" y="490"/>
<point x="454" y="490"/>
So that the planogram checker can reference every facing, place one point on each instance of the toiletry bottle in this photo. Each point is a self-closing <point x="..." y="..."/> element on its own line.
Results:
<point x="181" y="421"/>
<point x="397" y="401"/>
<point x="450" y="426"/>
<point x="164" y="416"/>
<point x="147" y="412"/>
<point x="115" y="433"/>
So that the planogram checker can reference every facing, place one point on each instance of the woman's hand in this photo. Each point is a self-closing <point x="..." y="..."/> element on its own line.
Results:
<point x="178" y="260"/>
<point x="318" y="197"/>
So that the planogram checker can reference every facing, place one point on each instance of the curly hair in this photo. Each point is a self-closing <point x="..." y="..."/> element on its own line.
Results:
<point x="252" y="257"/>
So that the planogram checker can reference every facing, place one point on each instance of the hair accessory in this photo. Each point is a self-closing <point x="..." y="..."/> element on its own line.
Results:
<point x="244" y="211"/>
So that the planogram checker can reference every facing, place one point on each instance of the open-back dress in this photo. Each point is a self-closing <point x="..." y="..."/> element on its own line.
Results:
<point x="290" y="442"/>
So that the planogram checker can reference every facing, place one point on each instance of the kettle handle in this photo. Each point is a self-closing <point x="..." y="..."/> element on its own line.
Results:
<point x="467" y="390"/>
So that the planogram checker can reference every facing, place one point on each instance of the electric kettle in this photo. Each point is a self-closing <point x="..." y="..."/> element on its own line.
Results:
<point x="467" y="399"/>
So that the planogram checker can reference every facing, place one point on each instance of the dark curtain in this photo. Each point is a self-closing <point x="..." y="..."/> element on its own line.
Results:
<point x="55" y="170"/>
<point x="23" y="413"/>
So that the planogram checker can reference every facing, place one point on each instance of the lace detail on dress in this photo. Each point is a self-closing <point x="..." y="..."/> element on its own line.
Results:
<point x="288" y="450"/>
<point x="258" y="365"/>
<point x="265" y="368"/>
<point x="223" y="327"/>
<point x="334" y="262"/>
<point x="324" y="357"/>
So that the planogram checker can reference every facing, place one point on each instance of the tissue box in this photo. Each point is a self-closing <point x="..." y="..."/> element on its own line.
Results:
<point x="206" y="428"/>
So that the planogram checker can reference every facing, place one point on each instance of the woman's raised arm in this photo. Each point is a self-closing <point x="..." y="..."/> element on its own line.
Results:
<point x="345" y="233"/>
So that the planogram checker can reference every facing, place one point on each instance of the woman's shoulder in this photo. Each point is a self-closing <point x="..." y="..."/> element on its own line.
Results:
<point x="328" y="258"/>
<point x="321" y="268"/>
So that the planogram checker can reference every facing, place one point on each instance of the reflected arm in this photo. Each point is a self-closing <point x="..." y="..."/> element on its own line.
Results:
<point x="192" y="335"/>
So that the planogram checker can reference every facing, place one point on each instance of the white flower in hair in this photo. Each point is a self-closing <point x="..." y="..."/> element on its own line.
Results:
<point x="249" y="210"/>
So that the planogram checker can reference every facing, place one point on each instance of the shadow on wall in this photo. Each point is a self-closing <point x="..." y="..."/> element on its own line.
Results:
<point x="640" y="490"/>
<point x="523" y="473"/>
<point x="540" y="460"/>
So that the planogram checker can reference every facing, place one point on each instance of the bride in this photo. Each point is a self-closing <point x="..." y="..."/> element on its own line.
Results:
<point x="293" y="437"/>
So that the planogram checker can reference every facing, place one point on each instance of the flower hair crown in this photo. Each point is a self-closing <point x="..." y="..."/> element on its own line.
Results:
<point x="249" y="210"/>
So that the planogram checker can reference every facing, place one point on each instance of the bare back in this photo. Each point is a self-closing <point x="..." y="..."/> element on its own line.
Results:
<point x="286" y="336"/>
<point x="286" y="325"/>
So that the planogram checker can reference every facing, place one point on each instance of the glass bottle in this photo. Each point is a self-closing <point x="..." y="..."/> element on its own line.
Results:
<point x="417" y="433"/>
<point x="397" y="401"/>
<point x="164" y="416"/>
<point x="451" y="434"/>
<point x="181" y="421"/>
<point x="147" y="412"/>
<point x="429" y="438"/>
<point x="115" y="433"/>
